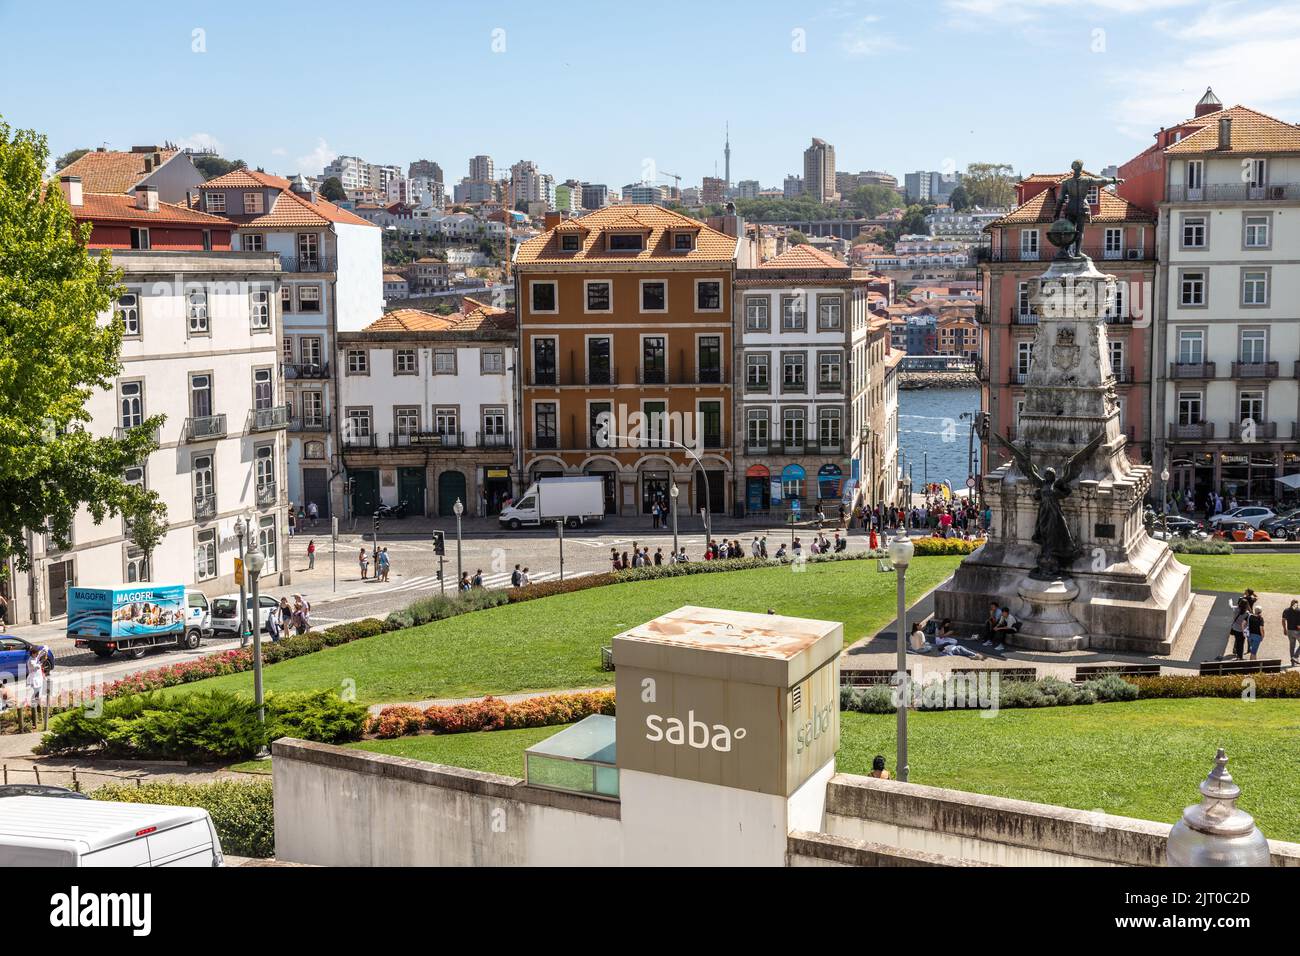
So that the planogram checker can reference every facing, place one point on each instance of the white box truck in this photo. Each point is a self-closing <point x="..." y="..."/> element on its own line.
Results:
<point x="48" y="831"/>
<point x="575" y="501"/>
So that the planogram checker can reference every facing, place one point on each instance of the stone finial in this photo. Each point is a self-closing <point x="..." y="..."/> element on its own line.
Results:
<point x="1216" y="832"/>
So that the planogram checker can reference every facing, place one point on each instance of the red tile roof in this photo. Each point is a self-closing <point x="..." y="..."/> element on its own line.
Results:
<point x="1252" y="132"/>
<point x="106" y="208"/>
<point x="289" y="209"/>
<point x="111" y="171"/>
<point x="474" y="316"/>
<point x="1110" y="208"/>
<point x="711" y="245"/>
<point x="804" y="257"/>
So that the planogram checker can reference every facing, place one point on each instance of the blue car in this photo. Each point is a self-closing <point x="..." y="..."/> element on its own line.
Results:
<point x="14" y="654"/>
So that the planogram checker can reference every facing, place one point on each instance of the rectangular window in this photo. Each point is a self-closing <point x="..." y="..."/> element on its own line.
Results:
<point x="309" y="298"/>
<point x="214" y="202"/>
<point x="683" y="242"/>
<point x="792" y="428"/>
<point x="1113" y="244"/>
<point x="313" y="408"/>
<point x="140" y="239"/>
<point x="792" y="372"/>
<point x="1250" y="407"/>
<point x="654" y="361"/>
<point x="264" y="470"/>
<point x="710" y="358"/>
<point x="200" y="396"/>
<point x="446" y="421"/>
<point x="197" y="307"/>
<point x="1254" y="288"/>
<point x="1117" y="358"/>
<point x="1192" y="289"/>
<point x="544" y="369"/>
<point x="1022" y="299"/>
<point x="829" y="427"/>
<point x="253" y="242"/>
<point x="406" y="362"/>
<point x="1029" y="244"/>
<point x="259" y="308"/>
<point x="1193" y="232"/>
<point x="793" y="311"/>
<point x="254" y="204"/>
<point x="310" y="347"/>
<point x="1024" y="357"/>
<point x="267" y="541"/>
<point x="1254" y="344"/>
<point x="132" y="407"/>
<point x="570" y="242"/>
<point x="286" y="299"/>
<point x="544" y="296"/>
<point x="492" y="362"/>
<point x="406" y="420"/>
<point x="756" y="314"/>
<point x="308" y="250"/>
<point x="358" y="362"/>
<point x="205" y="488"/>
<point x="263" y="388"/>
<point x="1194" y="178"/>
<point x="654" y="297"/>
<point x="599" y="367"/>
<point x="598" y="424"/>
<point x="711" y="413"/>
<point x="1257" y="173"/>
<point x="205" y="554"/>
<point x="598" y="297"/>
<point x="1191" y="347"/>
<point x="830" y="310"/>
<point x="757" y="370"/>
<point x="1189" y="408"/>
<point x="358" y="423"/>
<point x="494" y="426"/>
<point x="830" y="367"/>
<point x="545" y="424"/>
<point x="756" y="428"/>
<point x="127" y="311"/>
<point x="1256" y="232"/>
<point x="286" y="350"/>
<point x="444" y="362"/>
<point x="626" y="242"/>
<point x="708" y="296"/>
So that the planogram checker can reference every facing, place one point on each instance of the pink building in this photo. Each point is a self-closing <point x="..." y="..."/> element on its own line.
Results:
<point x="1121" y="239"/>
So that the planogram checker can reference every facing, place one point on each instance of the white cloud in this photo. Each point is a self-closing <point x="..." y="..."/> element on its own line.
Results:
<point x="1013" y="12"/>
<point x="317" y="159"/>
<point x="201" y="141"/>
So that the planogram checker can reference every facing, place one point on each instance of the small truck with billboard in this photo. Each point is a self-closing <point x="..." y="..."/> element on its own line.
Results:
<point x="133" y="618"/>
<point x="576" y="500"/>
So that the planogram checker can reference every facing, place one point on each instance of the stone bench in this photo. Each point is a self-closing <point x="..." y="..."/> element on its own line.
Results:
<point x="1087" y="672"/>
<point x="1214" y="668"/>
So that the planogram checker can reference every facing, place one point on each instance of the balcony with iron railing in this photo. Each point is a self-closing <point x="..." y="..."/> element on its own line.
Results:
<point x="266" y="494"/>
<point x="314" y="423"/>
<point x="1124" y="374"/>
<point x="1017" y="377"/>
<point x="305" y="370"/>
<point x="1017" y="316"/>
<point x="1044" y="253"/>
<point x="792" y="386"/>
<point x="830" y="385"/>
<point x="121" y="431"/>
<point x="1247" y="430"/>
<point x="205" y="507"/>
<point x="416" y="439"/>
<point x="205" y="427"/>
<point x="308" y="264"/>
<point x="268" y="419"/>
<point x="1254" y="369"/>
<point x="764" y="387"/>
<point x="543" y="442"/>
<point x="487" y="440"/>
<point x="1195" y="431"/>
<point x="602" y="376"/>
<point x="1186" y="370"/>
<point x="1234" y="192"/>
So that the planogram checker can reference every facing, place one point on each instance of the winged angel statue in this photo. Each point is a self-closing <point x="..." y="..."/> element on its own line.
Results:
<point x="1056" y="545"/>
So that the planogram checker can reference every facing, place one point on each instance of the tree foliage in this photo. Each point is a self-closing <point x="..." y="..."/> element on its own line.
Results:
<point x="332" y="189"/>
<point x="54" y="354"/>
<point x="213" y="166"/>
<point x="990" y="185"/>
<point x="68" y="158"/>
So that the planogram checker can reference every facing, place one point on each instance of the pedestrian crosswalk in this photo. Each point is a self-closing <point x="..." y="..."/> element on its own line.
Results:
<point x="501" y="579"/>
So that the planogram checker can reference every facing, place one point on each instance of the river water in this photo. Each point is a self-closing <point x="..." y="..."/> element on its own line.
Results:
<point x="932" y="438"/>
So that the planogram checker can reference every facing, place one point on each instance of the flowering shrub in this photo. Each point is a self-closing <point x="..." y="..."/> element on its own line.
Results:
<point x="934" y="546"/>
<point x="492" y="713"/>
<point x="1285" y="684"/>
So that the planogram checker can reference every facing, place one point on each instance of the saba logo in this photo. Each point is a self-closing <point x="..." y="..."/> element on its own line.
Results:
<point x="692" y="732"/>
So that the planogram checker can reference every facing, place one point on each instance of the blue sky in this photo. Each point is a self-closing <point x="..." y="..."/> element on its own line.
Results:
<point x="601" y="91"/>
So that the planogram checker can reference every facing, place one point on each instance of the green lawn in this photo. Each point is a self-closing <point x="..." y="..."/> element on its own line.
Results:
<point x="1142" y="759"/>
<point x="555" y="642"/>
<point x="1233" y="572"/>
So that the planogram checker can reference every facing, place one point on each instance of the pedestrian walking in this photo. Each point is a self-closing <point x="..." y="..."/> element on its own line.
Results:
<point x="4" y="615"/>
<point x="516" y="577"/>
<point x="293" y="522"/>
<point x="385" y="564"/>
<point x="1239" y="628"/>
<point x="659" y="556"/>
<point x="478" y="578"/>
<point x="364" y="560"/>
<point x="1255" y="632"/>
<point x="274" y="625"/>
<point x="463" y="584"/>
<point x="311" y="554"/>
<point x="35" y="680"/>
<point x="313" y="513"/>
<point x="301" y="620"/>
<point x="1291" y="624"/>
<point x="525" y="580"/>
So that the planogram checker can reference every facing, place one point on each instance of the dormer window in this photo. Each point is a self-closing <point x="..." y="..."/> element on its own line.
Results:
<point x="683" y="241"/>
<point x="215" y="202"/>
<point x="253" y="205"/>
<point x="1093" y="196"/>
<point x="570" y="243"/>
<point x="626" y="242"/>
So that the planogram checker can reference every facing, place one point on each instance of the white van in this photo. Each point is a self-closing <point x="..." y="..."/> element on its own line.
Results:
<point x="44" y="831"/>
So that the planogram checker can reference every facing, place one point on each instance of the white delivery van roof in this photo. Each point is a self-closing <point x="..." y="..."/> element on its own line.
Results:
<point x="86" y="824"/>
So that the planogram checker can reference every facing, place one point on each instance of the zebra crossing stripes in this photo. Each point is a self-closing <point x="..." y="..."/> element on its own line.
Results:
<point x="500" y="579"/>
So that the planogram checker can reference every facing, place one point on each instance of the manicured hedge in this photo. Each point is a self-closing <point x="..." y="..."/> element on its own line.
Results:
<point x="243" y="813"/>
<point x="216" y="726"/>
<point x="1285" y="684"/>
<point x="1048" y="692"/>
<point x="491" y="713"/>
<point x="1196" y="546"/>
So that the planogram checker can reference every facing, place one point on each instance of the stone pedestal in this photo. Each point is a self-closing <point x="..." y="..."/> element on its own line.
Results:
<point x="1123" y="591"/>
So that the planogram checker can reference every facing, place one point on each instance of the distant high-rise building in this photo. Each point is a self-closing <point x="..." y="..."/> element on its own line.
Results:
<point x="691" y="195"/>
<point x="481" y="168"/>
<point x="529" y="184"/>
<point x="819" y="171"/>
<point x="426" y="168"/>
<point x="643" y="194"/>
<point x="713" y="190"/>
<point x="748" y="189"/>
<point x="793" y="187"/>
<point x="923" y="186"/>
<point x="595" y="196"/>
<point x="726" y="152"/>
<point x="474" y="191"/>
<point x="873" y="177"/>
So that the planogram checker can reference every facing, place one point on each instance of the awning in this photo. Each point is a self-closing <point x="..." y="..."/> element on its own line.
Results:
<point x="757" y="471"/>
<point x="1291" y="481"/>
<point x="793" y="473"/>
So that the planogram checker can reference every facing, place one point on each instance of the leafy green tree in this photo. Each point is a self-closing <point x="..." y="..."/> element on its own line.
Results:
<point x="68" y="158"/>
<point x="796" y="238"/>
<point x="874" y="200"/>
<point x="959" y="200"/>
<point x="213" y="166"/>
<point x="332" y="189"/>
<point x="148" y="528"/>
<point x="54" y="354"/>
<point x="990" y="185"/>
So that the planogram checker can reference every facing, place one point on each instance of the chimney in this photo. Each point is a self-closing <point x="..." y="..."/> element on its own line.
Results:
<point x="1225" y="132"/>
<point x="157" y="160"/>
<point x="71" y="186"/>
<point x="146" y="198"/>
<point x="552" y="220"/>
<point x="148" y="164"/>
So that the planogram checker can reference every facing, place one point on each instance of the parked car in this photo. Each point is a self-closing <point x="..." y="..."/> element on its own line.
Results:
<point x="15" y="652"/>
<point x="39" y="790"/>
<point x="225" y="613"/>
<point x="1282" y="517"/>
<point x="1253" y="515"/>
<point x="1240" y="531"/>
<point x="1176" y="526"/>
<point x="1286" y="530"/>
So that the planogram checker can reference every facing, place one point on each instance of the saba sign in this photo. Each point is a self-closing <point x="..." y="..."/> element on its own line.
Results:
<point x="728" y="698"/>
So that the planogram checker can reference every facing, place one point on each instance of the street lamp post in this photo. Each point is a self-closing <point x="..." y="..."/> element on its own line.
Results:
<point x="673" y="492"/>
<point x="256" y="560"/>
<point x="901" y="550"/>
<point x="907" y="501"/>
<point x="1216" y="832"/>
<point x="1164" y="501"/>
<point x="241" y="529"/>
<point x="458" y="509"/>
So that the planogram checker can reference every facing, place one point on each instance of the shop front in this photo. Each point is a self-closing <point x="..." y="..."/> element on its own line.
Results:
<point x="758" y="481"/>
<point x="496" y="488"/>
<point x="830" y="480"/>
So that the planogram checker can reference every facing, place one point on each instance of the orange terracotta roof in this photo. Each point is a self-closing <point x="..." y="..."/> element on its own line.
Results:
<point x="106" y="208"/>
<point x="481" y="317"/>
<point x="474" y="316"/>
<point x="289" y="209"/>
<point x="410" y="320"/>
<point x="111" y="171"/>
<point x="1110" y="208"/>
<point x="804" y="257"/>
<point x="1252" y="132"/>
<point x="711" y="245"/>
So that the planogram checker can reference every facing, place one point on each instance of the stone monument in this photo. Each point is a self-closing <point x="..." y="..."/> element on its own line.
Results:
<point x="1068" y="552"/>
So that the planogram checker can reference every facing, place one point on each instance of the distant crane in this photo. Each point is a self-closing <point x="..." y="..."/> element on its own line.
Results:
<point x="675" y="177"/>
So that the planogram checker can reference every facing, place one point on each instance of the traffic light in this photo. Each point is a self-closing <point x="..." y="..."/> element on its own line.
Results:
<point x="439" y="543"/>
<point x="376" y="521"/>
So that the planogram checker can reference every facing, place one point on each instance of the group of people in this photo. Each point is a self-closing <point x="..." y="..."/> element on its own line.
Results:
<point x="1247" y="628"/>
<point x="467" y="583"/>
<point x="520" y="578"/>
<point x="298" y="516"/>
<point x="292" y="616"/>
<point x="641" y="557"/>
<point x="382" y="563"/>
<point x="946" y="641"/>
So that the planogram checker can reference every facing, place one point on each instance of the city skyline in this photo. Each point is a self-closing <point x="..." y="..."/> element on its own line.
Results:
<point x="866" y="56"/>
